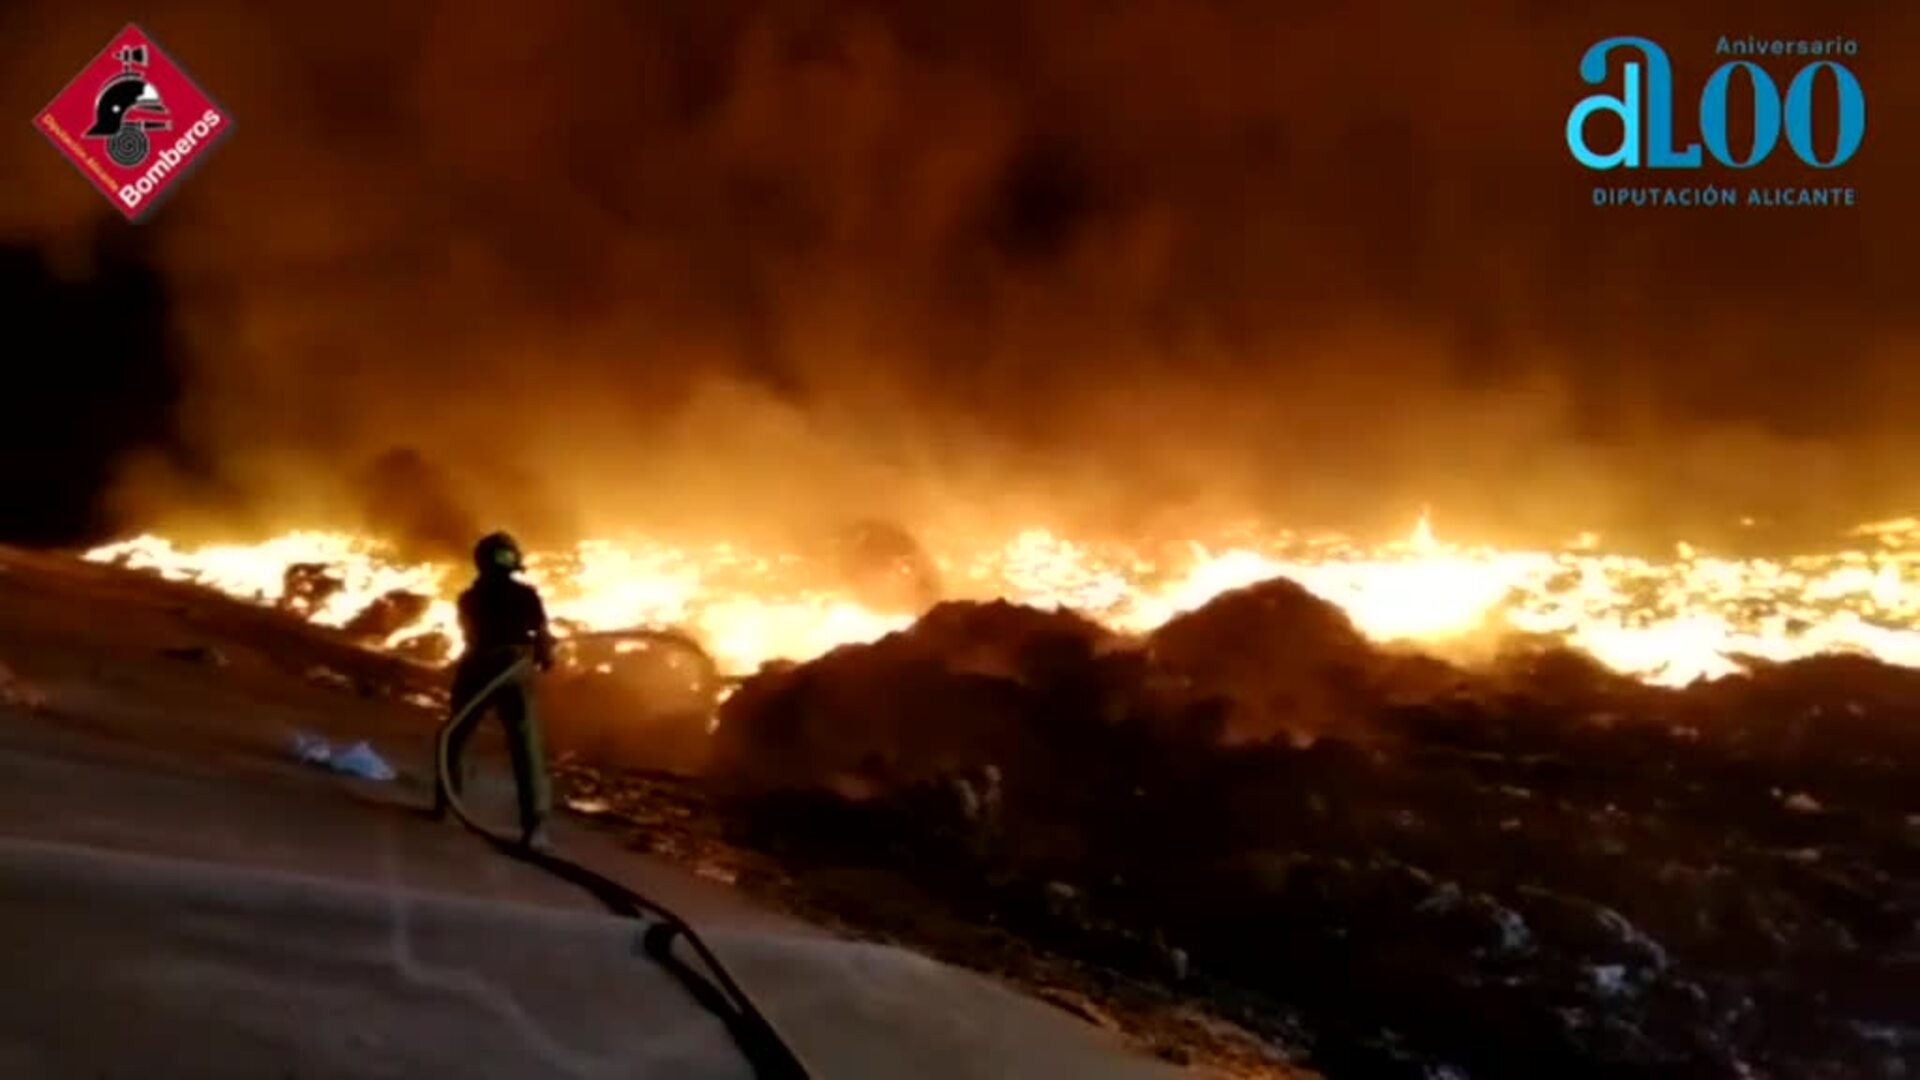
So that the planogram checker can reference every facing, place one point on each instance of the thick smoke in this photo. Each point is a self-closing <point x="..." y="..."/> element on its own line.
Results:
<point x="743" y="265"/>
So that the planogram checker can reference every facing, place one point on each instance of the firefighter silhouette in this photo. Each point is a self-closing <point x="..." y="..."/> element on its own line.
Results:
<point x="127" y="109"/>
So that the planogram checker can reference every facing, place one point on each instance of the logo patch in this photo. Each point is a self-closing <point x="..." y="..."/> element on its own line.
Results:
<point x="134" y="123"/>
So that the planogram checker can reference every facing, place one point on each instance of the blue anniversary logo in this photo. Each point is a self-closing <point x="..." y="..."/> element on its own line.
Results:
<point x="1824" y="138"/>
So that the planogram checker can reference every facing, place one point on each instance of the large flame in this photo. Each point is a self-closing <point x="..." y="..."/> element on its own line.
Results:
<point x="1665" y="621"/>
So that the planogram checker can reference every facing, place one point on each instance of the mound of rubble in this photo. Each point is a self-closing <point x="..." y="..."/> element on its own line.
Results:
<point x="1536" y="869"/>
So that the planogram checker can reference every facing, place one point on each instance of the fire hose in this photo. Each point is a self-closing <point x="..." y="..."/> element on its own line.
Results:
<point x="770" y="1055"/>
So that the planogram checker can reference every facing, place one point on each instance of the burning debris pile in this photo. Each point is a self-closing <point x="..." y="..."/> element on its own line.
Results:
<point x="1668" y="621"/>
<point x="1540" y="869"/>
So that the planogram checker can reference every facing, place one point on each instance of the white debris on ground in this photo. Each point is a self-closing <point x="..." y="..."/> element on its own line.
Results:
<point x="18" y="693"/>
<point x="1801" y="803"/>
<point x="358" y="759"/>
<point x="326" y="676"/>
<point x="1651" y="951"/>
<point x="714" y="872"/>
<point x="1514" y="935"/>
<point x="1609" y="980"/>
<point x="1447" y="898"/>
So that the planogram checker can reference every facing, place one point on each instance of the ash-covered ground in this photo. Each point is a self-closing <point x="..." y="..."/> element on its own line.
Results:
<point x="1387" y="865"/>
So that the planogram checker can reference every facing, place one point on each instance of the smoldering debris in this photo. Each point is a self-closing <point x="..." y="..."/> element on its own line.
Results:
<point x="305" y="588"/>
<point x="388" y="614"/>
<point x="950" y="694"/>
<point x="1284" y="658"/>
<point x="1537" y="866"/>
<point x="640" y="698"/>
<point x="205" y="655"/>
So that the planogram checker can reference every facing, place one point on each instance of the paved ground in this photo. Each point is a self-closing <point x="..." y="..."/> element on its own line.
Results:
<point x="178" y="899"/>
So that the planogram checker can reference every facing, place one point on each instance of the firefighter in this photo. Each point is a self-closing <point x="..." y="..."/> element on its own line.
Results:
<point x="503" y="621"/>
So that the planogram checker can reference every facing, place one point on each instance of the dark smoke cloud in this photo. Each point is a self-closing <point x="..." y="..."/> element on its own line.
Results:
<point x="746" y="264"/>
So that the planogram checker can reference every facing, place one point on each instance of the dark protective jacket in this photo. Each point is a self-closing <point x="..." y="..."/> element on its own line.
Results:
<point x="498" y="614"/>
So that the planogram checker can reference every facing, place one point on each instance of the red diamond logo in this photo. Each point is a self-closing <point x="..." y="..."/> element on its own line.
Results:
<point x="133" y="123"/>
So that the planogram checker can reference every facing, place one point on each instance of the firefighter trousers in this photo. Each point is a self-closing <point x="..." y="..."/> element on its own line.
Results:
<point x="513" y="702"/>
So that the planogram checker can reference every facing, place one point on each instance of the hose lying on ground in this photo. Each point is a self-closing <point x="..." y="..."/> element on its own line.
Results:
<point x="772" y="1058"/>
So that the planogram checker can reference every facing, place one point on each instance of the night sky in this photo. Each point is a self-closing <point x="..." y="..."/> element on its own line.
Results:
<point x="1106" y="264"/>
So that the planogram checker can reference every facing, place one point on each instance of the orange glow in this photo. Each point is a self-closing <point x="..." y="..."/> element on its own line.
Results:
<point x="1665" y="621"/>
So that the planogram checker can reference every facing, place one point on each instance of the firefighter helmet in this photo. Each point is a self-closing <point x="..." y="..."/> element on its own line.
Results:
<point x="496" y="552"/>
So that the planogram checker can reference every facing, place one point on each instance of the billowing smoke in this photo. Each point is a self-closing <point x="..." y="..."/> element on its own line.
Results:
<point x="758" y="264"/>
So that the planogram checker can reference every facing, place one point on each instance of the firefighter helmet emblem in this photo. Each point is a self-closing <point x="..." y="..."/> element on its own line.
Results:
<point x="127" y="108"/>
